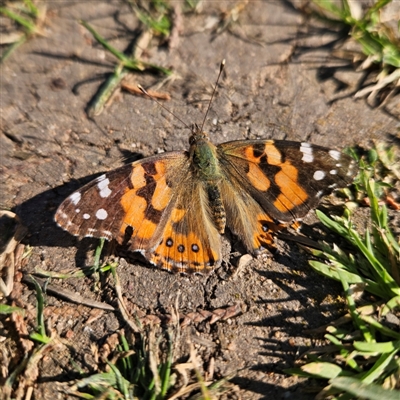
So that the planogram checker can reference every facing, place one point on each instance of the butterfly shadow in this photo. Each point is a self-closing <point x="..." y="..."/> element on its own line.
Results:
<point x="301" y="305"/>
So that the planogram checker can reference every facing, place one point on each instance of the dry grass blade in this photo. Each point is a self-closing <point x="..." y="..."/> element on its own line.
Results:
<point x="68" y="295"/>
<point x="215" y="315"/>
<point x="12" y="232"/>
<point x="133" y="88"/>
<point x="122" y="308"/>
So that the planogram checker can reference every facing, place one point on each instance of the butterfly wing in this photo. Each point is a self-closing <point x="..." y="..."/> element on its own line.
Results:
<point x="269" y="183"/>
<point x="154" y="206"/>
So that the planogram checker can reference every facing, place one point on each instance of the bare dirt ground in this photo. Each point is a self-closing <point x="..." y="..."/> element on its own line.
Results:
<point x="275" y="85"/>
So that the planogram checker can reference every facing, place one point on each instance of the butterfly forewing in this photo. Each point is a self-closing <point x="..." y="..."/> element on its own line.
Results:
<point x="129" y="194"/>
<point x="286" y="178"/>
<point x="95" y="209"/>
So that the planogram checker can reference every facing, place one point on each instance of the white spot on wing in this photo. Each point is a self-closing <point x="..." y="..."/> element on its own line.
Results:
<point x="307" y="151"/>
<point x="86" y="216"/>
<point x="77" y="210"/>
<point x="333" y="172"/>
<point x="319" y="175"/>
<point x="75" y="198"/>
<point x="335" y="154"/>
<point x="101" y="214"/>
<point x="104" y="190"/>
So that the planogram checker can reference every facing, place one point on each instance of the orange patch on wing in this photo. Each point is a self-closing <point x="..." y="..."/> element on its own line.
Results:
<point x="177" y="214"/>
<point x="202" y="256"/>
<point x="292" y="194"/>
<point x="161" y="195"/>
<point x="258" y="178"/>
<point x="255" y="174"/>
<point x="135" y="208"/>
<point x="185" y="253"/>
<point x="160" y="167"/>
<point x="138" y="177"/>
<point x="146" y="230"/>
<point x="133" y="203"/>
<point x="263" y="235"/>
<point x="249" y="154"/>
<point x="273" y="154"/>
<point x="262" y="240"/>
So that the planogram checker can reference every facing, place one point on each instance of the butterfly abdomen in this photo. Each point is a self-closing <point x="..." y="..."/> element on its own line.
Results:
<point x="216" y="207"/>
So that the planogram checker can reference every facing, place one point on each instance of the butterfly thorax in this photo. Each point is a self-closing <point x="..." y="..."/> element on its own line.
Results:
<point x="204" y="160"/>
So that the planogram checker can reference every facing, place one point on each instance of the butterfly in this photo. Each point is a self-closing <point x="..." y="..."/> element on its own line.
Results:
<point x="174" y="207"/>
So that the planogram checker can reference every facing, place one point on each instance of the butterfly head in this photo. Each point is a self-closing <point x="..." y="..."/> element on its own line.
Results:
<point x="198" y="135"/>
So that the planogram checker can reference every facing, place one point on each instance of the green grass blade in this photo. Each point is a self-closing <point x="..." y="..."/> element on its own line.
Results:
<point x="6" y="309"/>
<point x="379" y="367"/>
<point x="121" y="56"/>
<point x="379" y="327"/>
<point x="381" y="272"/>
<point x="367" y="334"/>
<point x="39" y="314"/>
<point x="166" y="368"/>
<point x="121" y="382"/>
<point x="382" y="347"/>
<point x="323" y="370"/>
<point x="332" y="271"/>
<point x="391" y="305"/>
<point x="12" y="47"/>
<point x="363" y="390"/>
<point x="33" y="11"/>
<point x="26" y="23"/>
<point x="106" y="90"/>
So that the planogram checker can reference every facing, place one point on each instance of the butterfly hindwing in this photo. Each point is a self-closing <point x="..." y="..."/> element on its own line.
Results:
<point x="246" y="218"/>
<point x="190" y="241"/>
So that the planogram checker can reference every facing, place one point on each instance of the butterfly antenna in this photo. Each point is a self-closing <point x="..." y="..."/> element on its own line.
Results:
<point x="162" y="106"/>
<point x="221" y="68"/>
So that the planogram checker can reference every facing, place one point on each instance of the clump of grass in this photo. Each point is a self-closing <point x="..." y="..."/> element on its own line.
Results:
<point x="366" y="361"/>
<point x="378" y="42"/>
<point x="125" y="64"/>
<point x="155" y="14"/>
<point x="28" y="17"/>
<point x="20" y="381"/>
<point x="155" y="17"/>
<point x="133" y="372"/>
<point x="146" y="370"/>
